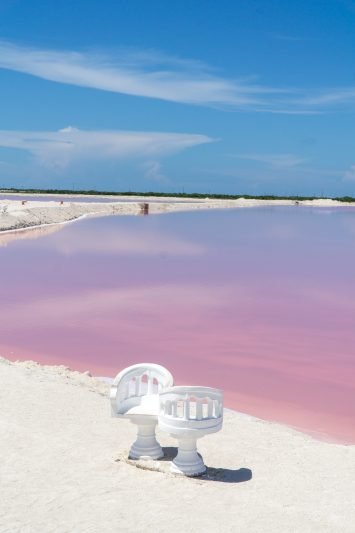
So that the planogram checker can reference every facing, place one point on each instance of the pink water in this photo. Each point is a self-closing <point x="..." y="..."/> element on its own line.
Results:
<point x="259" y="302"/>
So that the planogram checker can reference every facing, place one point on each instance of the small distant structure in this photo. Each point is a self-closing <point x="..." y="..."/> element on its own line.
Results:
<point x="144" y="209"/>
<point x="61" y="202"/>
<point x="24" y="202"/>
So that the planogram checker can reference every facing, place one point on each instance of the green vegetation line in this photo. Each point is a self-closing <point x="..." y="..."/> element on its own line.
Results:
<point x="174" y="195"/>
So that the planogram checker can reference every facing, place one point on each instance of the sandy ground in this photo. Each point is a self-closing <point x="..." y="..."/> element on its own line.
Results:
<point x="63" y="468"/>
<point x="16" y="215"/>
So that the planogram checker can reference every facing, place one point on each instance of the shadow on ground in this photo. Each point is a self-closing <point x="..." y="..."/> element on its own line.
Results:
<point x="226" y="475"/>
<point x="170" y="452"/>
<point x="223" y="475"/>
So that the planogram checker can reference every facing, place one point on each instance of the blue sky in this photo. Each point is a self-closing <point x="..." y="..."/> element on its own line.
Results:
<point x="231" y="96"/>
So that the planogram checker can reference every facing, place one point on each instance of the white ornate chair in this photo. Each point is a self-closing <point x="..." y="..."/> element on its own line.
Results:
<point x="134" y="394"/>
<point x="189" y="413"/>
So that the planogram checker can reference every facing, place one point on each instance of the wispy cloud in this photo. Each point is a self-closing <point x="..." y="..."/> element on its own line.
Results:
<point x="274" y="160"/>
<point x="331" y="97"/>
<point x="140" y="73"/>
<point x="60" y="148"/>
<point x="148" y="74"/>
<point x="153" y="74"/>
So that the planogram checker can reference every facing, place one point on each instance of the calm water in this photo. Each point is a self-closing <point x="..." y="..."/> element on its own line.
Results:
<point x="259" y="302"/>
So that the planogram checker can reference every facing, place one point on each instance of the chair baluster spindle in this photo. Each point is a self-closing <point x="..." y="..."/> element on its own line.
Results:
<point x="199" y="413"/>
<point x="137" y="386"/>
<point x="210" y="408"/>
<point x="174" y="409"/>
<point x="186" y="409"/>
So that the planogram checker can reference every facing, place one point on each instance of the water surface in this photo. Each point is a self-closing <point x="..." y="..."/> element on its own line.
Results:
<point x="259" y="302"/>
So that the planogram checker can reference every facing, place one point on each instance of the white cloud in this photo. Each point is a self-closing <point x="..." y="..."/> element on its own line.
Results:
<point x="153" y="171"/>
<point x="350" y="174"/>
<point x="60" y="148"/>
<point x="140" y="74"/>
<point x="275" y="160"/>
<point x="148" y="74"/>
<point x="330" y="97"/>
<point x="152" y="74"/>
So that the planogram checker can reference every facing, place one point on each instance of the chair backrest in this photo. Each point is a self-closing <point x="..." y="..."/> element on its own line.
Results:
<point x="137" y="381"/>
<point x="198" y="404"/>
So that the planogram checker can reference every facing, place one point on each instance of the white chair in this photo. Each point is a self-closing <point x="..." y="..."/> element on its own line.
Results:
<point x="189" y="413"/>
<point x="134" y="394"/>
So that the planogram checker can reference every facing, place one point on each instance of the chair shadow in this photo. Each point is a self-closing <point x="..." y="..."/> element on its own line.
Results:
<point x="170" y="452"/>
<point x="226" y="475"/>
<point x="221" y="475"/>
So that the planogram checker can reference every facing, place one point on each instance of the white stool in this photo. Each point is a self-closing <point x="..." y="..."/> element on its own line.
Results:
<point x="134" y="394"/>
<point x="189" y="413"/>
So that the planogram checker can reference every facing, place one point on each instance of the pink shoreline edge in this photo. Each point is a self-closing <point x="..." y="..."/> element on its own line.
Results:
<point x="316" y="435"/>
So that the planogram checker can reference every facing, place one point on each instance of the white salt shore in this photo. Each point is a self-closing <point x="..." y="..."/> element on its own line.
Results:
<point x="63" y="468"/>
<point x="15" y="214"/>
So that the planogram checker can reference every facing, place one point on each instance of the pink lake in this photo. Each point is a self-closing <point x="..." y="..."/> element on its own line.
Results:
<point x="259" y="302"/>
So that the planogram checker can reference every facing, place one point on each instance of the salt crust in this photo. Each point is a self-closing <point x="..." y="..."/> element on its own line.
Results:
<point x="64" y="468"/>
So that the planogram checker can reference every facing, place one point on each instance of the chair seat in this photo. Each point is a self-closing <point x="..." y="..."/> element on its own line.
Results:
<point x="149" y="406"/>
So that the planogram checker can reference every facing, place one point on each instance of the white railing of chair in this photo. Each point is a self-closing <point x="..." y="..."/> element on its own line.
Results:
<point x="192" y="403"/>
<point x="140" y="385"/>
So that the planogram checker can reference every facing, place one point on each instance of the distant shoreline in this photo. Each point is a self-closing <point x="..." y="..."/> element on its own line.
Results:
<point x="175" y="195"/>
<point x="22" y="214"/>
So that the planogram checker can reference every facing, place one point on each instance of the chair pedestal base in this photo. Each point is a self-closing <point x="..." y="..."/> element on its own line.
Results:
<point x="146" y="445"/>
<point x="187" y="462"/>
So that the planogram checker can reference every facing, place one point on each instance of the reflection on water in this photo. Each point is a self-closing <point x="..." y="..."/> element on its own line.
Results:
<point x="259" y="302"/>
<point x="11" y="236"/>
